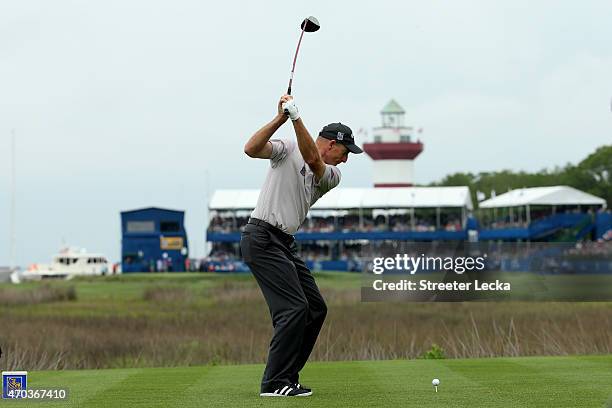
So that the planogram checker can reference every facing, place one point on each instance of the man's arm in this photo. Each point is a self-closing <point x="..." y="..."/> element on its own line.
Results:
<point x="258" y="146"/>
<point x="308" y="149"/>
<point x="307" y="146"/>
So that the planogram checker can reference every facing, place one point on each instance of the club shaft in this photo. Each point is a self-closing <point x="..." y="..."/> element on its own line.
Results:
<point x="294" y="60"/>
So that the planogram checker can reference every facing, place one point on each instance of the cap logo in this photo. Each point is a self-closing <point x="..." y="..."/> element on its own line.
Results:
<point x="340" y="136"/>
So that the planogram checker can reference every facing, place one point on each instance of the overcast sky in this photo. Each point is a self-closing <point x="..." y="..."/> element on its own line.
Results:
<point x="124" y="104"/>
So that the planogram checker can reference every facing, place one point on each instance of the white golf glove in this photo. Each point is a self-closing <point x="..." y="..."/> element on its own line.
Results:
<point x="290" y="109"/>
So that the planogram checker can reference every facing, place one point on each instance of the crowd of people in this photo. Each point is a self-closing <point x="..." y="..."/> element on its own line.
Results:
<point x="226" y="224"/>
<point x="402" y="222"/>
<point x="226" y="256"/>
<point x="517" y="218"/>
<point x="358" y="251"/>
<point x="353" y="223"/>
<point x="380" y="223"/>
<point x="597" y="249"/>
<point x="326" y="252"/>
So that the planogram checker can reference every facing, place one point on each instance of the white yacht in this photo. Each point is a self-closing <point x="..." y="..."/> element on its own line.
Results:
<point x="5" y="274"/>
<point x="67" y="263"/>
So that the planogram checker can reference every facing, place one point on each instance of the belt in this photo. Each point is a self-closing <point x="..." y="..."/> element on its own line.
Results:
<point x="270" y="227"/>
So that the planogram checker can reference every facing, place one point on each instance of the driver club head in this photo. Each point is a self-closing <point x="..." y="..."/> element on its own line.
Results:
<point x="310" y="24"/>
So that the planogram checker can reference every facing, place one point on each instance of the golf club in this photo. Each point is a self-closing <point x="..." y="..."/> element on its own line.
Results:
<point x="309" y="25"/>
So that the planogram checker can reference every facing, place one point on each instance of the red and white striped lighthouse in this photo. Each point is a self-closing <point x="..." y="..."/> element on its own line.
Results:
<point x="394" y="149"/>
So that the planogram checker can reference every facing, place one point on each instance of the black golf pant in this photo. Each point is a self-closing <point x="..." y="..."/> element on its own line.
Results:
<point x="296" y="305"/>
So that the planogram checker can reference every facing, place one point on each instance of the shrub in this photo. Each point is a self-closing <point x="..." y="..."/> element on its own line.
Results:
<point x="434" y="353"/>
<point x="42" y="294"/>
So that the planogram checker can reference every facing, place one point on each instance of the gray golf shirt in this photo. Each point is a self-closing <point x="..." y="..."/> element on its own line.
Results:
<point x="290" y="188"/>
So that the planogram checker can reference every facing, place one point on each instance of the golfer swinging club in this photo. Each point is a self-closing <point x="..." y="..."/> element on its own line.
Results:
<point x="300" y="173"/>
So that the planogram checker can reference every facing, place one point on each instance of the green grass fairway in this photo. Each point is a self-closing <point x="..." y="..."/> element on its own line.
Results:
<point x="503" y="382"/>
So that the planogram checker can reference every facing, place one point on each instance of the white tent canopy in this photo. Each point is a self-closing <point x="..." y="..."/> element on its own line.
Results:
<point x="349" y="198"/>
<point x="554" y="195"/>
<point x="234" y="200"/>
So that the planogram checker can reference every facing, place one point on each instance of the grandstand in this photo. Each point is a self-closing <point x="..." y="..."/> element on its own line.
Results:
<point x="343" y="222"/>
<point x="348" y="226"/>
<point x="554" y="214"/>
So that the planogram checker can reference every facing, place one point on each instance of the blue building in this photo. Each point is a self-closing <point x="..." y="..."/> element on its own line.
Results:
<point x="153" y="239"/>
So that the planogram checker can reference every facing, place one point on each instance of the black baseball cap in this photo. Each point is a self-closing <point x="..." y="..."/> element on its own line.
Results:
<point x="341" y="134"/>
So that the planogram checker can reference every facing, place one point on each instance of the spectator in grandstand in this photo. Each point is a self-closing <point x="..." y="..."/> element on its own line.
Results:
<point x="300" y="173"/>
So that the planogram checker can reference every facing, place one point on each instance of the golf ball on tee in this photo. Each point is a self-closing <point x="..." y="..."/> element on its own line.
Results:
<point x="435" y="382"/>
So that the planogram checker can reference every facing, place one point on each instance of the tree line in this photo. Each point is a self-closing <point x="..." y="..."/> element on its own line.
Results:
<point x="592" y="175"/>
